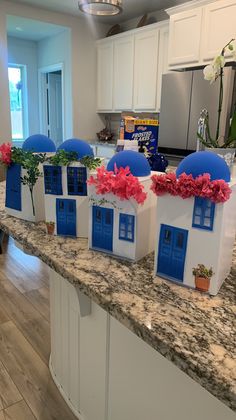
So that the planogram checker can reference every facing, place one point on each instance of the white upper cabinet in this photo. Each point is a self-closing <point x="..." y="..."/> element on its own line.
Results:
<point x="145" y="70"/>
<point x="198" y="34"/>
<point x="185" y="36"/>
<point x="219" y="27"/>
<point x="123" y="73"/>
<point x="104" y="76"/>
<point x="130" y="69"/>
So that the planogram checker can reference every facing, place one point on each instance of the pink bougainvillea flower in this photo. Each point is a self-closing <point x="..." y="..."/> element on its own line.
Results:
<point x="120" y="183"/>
<point x="5" y="153"/>
<point x="220" y="191"/>
<point x="186" y="186"/>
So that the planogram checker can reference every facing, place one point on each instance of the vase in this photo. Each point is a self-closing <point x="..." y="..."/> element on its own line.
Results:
<point x="202" y="283"/>
<point x="227" y="154"/>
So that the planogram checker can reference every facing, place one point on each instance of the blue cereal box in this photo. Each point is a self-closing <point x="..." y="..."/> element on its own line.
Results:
<point x="145" y="131"/>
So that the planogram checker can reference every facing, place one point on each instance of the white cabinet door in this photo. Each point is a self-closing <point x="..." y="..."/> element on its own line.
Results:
<point x="145" y="70"/>
<point x="219" y="27"/>
<point x="185" y="37"/>
<point x="123" y="73"/>
<point x="162" y="62"/>
<point x="104" y="76"/>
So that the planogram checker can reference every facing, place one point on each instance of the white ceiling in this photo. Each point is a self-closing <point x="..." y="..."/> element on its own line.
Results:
<point x="33" y="30"/>
<point x="131" y="8"/>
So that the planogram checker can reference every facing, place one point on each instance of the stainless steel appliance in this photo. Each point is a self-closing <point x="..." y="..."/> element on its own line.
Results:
<point x="184" y="95"/>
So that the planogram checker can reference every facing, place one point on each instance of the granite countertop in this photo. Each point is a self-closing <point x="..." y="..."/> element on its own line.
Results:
<point x="194" y="331"/>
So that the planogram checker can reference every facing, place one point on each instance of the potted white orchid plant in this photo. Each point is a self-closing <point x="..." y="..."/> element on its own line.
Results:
<point x="212" y="72"/>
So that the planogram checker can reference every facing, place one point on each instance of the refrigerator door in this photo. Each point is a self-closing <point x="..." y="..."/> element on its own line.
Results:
<point x="206" y="95"/>
<point x="175" y="106"/>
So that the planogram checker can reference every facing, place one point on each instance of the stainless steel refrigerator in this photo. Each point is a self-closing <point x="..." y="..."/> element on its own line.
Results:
<point x="184" y="95"/>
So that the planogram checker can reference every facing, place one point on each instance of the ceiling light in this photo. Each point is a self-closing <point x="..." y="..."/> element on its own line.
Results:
<point x="101" y="7"/>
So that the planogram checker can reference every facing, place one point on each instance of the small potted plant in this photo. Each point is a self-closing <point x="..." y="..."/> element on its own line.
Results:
<point x="202" y="277"/>
<point x="50" y="227"/>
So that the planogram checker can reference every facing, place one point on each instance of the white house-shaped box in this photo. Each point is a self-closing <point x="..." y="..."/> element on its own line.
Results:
<point x="196" y="230"/>
<point x="18" y="201"/>
<point x="123" y="227"/>
<point x="65" y="192"/>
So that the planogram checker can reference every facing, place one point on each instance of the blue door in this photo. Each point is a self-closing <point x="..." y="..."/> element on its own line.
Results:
<point x="13" y="187"/>
<point x="172" y="252"/>
<point x="66" y="217"/>
<point x="102" y="234"/>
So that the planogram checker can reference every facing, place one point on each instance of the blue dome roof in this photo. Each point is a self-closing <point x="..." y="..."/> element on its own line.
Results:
<point x="137" y="163"/>
<point x="39" y="143"/>
<point x="75" y="145"/>
<point x="200" y="163"/>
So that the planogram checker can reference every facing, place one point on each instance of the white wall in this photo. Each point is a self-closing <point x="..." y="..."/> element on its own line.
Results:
<point x="24" y="52"/>
<point x="55" y="50"/>
<point x="83" y="67"/>
<point x="5" y="126"/>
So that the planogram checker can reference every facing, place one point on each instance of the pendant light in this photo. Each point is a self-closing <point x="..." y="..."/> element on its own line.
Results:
<point x="101" y="7"/>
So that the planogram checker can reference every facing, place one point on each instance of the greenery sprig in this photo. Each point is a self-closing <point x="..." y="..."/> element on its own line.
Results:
<point x="64" y="158"/>
<point x="30" y="162"/>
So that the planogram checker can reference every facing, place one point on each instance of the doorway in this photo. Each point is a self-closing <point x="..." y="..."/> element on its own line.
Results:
<point x="66" y="217"/>
<point x="102" y="230"/>
<point x="172" y="252"/>
<point x="51" y="102"/>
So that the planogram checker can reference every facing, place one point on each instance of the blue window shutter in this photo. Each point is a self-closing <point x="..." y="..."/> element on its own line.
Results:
<point x="52" y="179"/>
<point x="77" y="181"/>
<point x="126" y="227"/>
<point x="203" y="213"/>
<point x="13" y="187"/>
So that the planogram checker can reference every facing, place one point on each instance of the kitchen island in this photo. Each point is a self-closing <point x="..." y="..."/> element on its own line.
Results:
<point x="127" y="347"/>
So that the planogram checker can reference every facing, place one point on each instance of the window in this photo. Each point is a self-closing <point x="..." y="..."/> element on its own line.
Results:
<point x="126" y="227"/>
<point x="52" y="180"/>
<point x="76" y="181"/>
<point x="203" y="213"/>
<point x="18" y="101"/>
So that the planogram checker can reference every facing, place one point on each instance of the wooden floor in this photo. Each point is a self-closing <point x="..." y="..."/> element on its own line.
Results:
<point x="27" y="391"/>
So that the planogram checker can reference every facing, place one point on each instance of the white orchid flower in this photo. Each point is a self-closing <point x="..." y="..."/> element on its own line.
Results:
<point x="219" y="63"/>
<point x="232" y="48"/>
<point x="210" y="73"/>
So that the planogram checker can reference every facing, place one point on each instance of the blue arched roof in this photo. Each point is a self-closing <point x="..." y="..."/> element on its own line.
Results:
<point x="199" y="163"/>
<point x="137" y="163"/>
<point x="75" y="145"/>
<point x="39" y="143"/>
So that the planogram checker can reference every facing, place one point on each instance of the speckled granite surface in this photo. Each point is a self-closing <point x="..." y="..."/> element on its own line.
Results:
<point x="194" y="331"/>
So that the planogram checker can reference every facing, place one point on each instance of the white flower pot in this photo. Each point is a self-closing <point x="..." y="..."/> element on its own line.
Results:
<point x="227" y="154"/>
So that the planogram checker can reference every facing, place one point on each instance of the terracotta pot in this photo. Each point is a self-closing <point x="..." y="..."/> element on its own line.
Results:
<point x="50" y="228"/>
<point x="202" y="283"/>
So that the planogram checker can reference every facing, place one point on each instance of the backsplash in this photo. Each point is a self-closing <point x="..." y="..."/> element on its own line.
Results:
<point x="113" y="120"/>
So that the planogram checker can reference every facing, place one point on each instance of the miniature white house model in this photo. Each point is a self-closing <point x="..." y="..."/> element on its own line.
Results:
<point x="18" y="199"/>
<point x="196" y="222"/>
<point x="65" y="187"/>
<point x="123" y="227"/>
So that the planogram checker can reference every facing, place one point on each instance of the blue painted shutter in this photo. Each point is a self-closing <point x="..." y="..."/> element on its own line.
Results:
<point x="77" y="181"/>
<point x="13" y="187"/>
<point x="203" y="213"/>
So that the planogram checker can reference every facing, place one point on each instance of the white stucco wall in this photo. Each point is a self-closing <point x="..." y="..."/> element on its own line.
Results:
<point x="82" y="205"/>
<point x="203" y="246"/>
<point x="26" y="212"/>
<point x="144" y="233"/>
